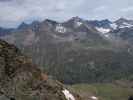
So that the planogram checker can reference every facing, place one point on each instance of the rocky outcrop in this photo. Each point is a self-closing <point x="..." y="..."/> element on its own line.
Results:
<point x="21" y="80"/>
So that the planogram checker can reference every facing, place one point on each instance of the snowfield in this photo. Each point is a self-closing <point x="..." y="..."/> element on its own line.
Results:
<point x="60" y="28"/>
<point x="103" y="30"/>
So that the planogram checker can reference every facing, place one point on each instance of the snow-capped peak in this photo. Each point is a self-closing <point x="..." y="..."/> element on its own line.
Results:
<point x="103" y="30"/>
<point x="77" y="21"/>
<point x="125" y="24"/>
<point x="60" y="28"/>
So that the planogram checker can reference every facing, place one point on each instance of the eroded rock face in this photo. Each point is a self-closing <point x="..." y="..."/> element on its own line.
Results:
<point x="21" y="80"/>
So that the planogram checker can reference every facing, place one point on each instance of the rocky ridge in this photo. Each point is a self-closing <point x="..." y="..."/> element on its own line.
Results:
<point x="21" y="80"/>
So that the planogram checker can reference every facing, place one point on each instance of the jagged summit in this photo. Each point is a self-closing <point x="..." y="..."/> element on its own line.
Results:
<point x="76" y="18"/>
<point x="121" y="19"/>
<point x="50" y="21"/>
<point x="23" y="25"/>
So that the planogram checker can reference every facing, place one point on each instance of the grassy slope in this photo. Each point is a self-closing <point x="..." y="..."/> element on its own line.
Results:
<point x="103" y="91"/>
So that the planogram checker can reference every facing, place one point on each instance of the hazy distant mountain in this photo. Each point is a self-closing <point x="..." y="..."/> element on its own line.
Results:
<point x="4" y="31"/>
<point x="76" y="50"/>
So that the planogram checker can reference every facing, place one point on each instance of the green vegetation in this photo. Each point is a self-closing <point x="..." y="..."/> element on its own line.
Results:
<point x="102" y="91"/>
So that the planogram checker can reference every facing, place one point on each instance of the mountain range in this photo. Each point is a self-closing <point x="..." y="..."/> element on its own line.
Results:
<point x="78" y="50"/>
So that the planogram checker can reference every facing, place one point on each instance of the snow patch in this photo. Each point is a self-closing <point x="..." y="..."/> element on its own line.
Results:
<point x="107" y="35"/>
<point x="127" y="24"/>
<point x="124" y="25"/>
<point x="68" y="95"/>
<point x="103" y="30"/>
<point x="79" y="23"/>
<point x="60" y="28"/>
<point x="94" y="98"/>
<point x="114" y="25"/>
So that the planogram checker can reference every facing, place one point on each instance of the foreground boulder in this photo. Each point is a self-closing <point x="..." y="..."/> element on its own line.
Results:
<point x="21" y="80"/>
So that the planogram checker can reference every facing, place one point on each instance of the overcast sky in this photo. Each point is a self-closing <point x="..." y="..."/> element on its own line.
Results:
<point x="13" y="12"/>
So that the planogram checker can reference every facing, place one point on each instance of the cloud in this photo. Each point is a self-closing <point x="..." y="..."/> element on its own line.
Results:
<point x="13" y="12"/>
<point x="127" y="9"/>
<point x="100" y="8"/>
<point x="5" y="0"/>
